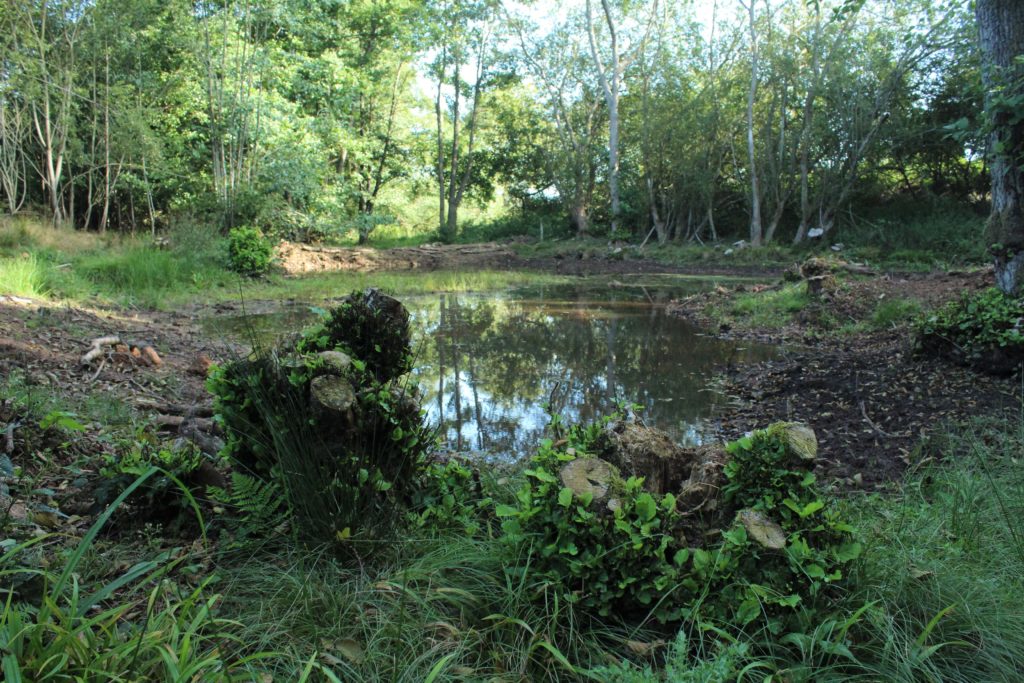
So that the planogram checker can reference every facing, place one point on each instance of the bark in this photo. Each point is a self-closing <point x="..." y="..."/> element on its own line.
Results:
<point x="1001" y="34"/>
<point x="755" y="191"/>
<point x="609" y="78"/>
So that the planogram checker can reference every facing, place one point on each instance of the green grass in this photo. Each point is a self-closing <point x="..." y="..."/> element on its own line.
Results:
<point x="331" y="284"/>
<point x="447" y="606"/>
<point x="23" y="276"/>
<point x="772" y="309"/>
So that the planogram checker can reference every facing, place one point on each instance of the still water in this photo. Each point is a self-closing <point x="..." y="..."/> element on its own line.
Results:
<point x="490" y="364"/>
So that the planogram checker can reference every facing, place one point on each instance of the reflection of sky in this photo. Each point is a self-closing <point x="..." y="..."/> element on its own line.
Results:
<point x="581" y="347"/>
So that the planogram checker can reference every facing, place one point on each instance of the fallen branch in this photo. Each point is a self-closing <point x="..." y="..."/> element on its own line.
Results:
<point x="197" y="410"/>
<point x="97" y="348"/>
<point x="170" y="422"/>
<point x="864" y="412"/>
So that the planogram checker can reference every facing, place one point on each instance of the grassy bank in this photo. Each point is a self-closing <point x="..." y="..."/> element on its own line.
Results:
<point x="936" y="595"/>
<point x="40" y="261"/>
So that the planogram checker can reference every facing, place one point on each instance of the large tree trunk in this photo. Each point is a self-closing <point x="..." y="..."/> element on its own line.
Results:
<point x="1001" y="33"/>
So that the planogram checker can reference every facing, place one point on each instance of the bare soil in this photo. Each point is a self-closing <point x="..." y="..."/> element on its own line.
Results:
<point x="870" y="399"/>
<point x="296" y="259"/>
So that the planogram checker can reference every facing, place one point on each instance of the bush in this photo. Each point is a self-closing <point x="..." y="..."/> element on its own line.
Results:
<point x="249" y="252"/>
<point x="982" y="330"/>
<point x="782" y="546"/>
<point x="340" y="433"/>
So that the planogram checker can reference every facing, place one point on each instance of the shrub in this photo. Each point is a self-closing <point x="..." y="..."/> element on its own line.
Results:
<point x="983" y="330"/>
<point x="341" y="434"/>
<point x="249" y="252"/>
<point x="782" y="547"/>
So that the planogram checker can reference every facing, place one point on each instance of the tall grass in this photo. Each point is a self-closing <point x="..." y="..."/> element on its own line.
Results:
<point x="23" y="276"/>
<point x="441" y="608"/>
<point x="121" y="630"/>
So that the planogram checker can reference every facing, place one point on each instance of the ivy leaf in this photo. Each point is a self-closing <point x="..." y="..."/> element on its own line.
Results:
<point x="505" y="511"/>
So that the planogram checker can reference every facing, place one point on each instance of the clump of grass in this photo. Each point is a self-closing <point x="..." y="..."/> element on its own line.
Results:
<point x="894" y="312"/>
<point x="944" y="569"/>
<point x="439" y="608"/>
<point x="121" y="630"/>
<point x="770" y="309"/>
<point x="143" y="275"/>
<point x="23" y="275"/>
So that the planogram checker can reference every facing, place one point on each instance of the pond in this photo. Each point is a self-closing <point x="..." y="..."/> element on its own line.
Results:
<point x="492" y="364"/>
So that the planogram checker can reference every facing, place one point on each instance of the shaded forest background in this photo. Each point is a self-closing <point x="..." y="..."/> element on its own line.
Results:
<point x="460" y="119"/>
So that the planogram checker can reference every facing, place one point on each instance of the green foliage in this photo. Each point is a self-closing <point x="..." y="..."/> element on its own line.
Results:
<point x="767" y="474"/>
<point x="372" y="328"/>
<point x="450" y="496"/>
<point x="344" y="477"/>
<point x="116" y="631"/>
<point x="628" y="555"/>
<point x="167" y="497"/>
<point x="983" y="329"/>
<point x="249" y="252"/>
<point x="253" y="507"/>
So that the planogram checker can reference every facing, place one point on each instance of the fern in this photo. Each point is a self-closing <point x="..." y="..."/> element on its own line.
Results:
<point x="256" y="506"/>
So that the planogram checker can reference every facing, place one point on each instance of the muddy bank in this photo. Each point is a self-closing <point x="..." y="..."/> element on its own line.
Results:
<point x="298" y="259"/>
<point x="44" y="344"/>
<point x="869" y="398"/>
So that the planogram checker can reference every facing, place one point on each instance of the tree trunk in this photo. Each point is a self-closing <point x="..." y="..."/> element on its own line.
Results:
<point x="755" y="190"/>
<point x="1001" y="34"/>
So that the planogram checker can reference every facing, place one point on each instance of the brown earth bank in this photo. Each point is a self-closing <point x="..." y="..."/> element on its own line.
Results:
<point x="872" y="401"/>
<point x="298" y="259"/>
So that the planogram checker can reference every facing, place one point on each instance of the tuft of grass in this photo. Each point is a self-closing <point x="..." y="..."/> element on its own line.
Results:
<point x="894" y="313"/>
<point x="23" y="276"/>
<point x="441" y="608"/>
<point x="770" y="309"/>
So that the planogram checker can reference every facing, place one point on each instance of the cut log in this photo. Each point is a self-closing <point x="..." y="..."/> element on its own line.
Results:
<point x="588" y="475"/>
<point x="762" y="530"/>
<point x="332" y="397"/>
<point x="799" y="439"/>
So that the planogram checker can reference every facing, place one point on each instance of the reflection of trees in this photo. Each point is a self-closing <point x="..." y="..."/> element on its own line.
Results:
<point x="493" y="362"/>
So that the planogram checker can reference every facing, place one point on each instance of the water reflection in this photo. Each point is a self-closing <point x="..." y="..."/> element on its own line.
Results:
<point x="488" y="363"/>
